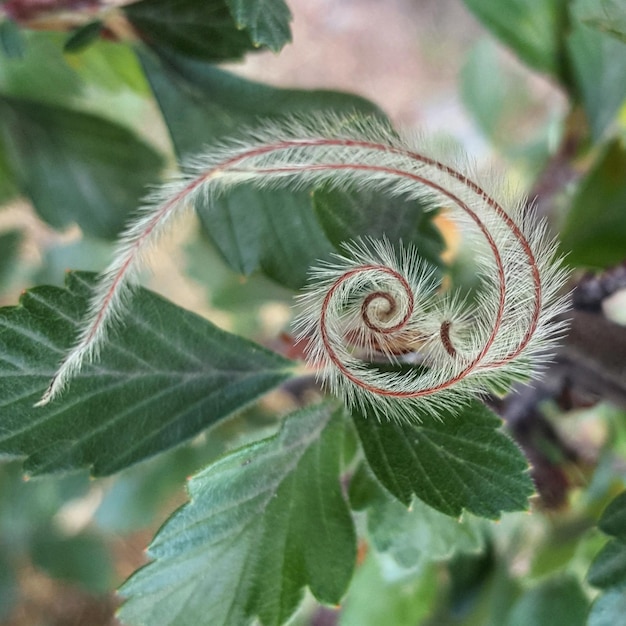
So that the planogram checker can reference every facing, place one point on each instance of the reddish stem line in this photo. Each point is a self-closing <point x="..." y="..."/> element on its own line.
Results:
<point x="282" y="145"/>
<point x="444" y="333"/>
<point x="130" y="256"/>
<point x="154" y="222"/>
<point x="390" y="300"/>
<point x="498" y="259"/>
<point x="500" y="212"/>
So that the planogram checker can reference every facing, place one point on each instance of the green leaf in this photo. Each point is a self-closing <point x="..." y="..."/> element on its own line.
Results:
<point x="267" y="21"/>
<point x="201" y="103"/>
<point x="501" y="103"/>
<point x="344" y="216"/>
<point x="484" y="86"/>
<point x="461" y="460"/>
<point x="555" y="552"/>
<point x="376" y="600"/>
<point x="481" y="591"/>
<point x="87" y="80"/>
<point x="415" y="535"/>
<point x="9" y="248"/>
<point x="531" y="28"/>
<point x="77" y="167"/>
<point x="84" y="36"/>
<point x="245" y="299"/>
<point x="609" y="567"/>
<point x="275" y="231"/>
<point x="364" y="490"/>
<point x="263" y="522"/>
<point x="41" y="73"/>
<point x="11" y="40"/>
<point x="8" y="189"/>
<point x="557" y="602"/>
<point x="599" y="69"/>
<point x="609" y="608"/>
<point x="595" y="228"/>
<point x="9" y="588"/>
<point x="110" y="67"/>
<point x="82" y="559"/>
<point x="135" y="499"/>
<point x="160" y="380"/>
<point x="421" y="533"/>
<point x="613" y="520"/>
<point x="105" y="79"/>
<point x="608" y="16"/>
<point x="136" y="495"/>
<point x="203" y="29"/>
<point x="228" y="290"/>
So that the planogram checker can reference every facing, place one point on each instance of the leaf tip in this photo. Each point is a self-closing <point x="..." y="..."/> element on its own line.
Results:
<point x="49" y="394"/>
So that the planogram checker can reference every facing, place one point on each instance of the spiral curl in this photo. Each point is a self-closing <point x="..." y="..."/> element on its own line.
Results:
<point x="380" y="333"/>
<point x="373" y="302"/>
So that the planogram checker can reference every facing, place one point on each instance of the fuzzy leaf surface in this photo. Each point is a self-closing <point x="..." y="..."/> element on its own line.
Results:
<point x="267" y="21"/>
<point x="262" y="523"/>
<point x="163" y="377"/>
<point x="203" y="29"/>
<point x="457" y="462"/>
<point x="76" y="167"/>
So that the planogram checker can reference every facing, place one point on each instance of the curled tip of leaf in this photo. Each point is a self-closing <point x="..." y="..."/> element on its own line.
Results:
<point x="374" y="302"/>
